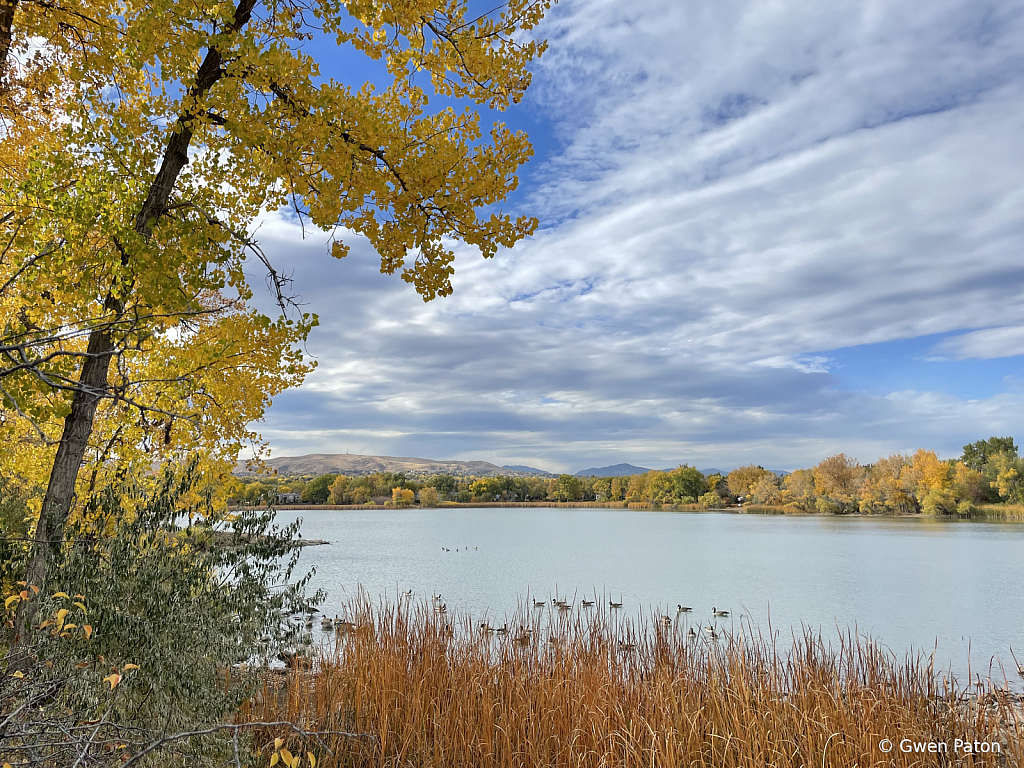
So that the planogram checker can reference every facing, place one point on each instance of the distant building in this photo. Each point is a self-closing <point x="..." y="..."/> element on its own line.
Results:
<point x="288" y="498"/>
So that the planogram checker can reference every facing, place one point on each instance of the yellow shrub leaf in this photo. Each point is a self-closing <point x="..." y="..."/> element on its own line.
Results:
<point x="312" y="759"/>
<point x="60" y="594"/>
<point x="35" y="590"/>
<point x="130" y="666"/>
<point x="286" y="756"/>
<point x="23" y="595"/>
<point x="296" y="760"/>
<point x="70" y="626"/>
<point x="19" y="674"/>
<point x="62" y="613"/>
<point x="80" y="597"/>
<point x="11" y="599"/>
<point x="113" y="679"/>
<point x="273" y="759"/>
<point x="87" y="629"/>
<point x="80" y="605"/>
<point x="277" y="743"/>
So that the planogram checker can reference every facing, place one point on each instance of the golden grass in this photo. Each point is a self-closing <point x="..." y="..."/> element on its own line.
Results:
<point x="998" y="512"/>
<point x="592" y="689"/>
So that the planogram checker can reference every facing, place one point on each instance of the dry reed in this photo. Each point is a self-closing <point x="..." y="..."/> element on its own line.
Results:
<point x="588" y="688"/>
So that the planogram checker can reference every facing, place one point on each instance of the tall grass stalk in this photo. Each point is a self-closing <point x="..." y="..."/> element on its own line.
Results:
<point x="589" y="688"/>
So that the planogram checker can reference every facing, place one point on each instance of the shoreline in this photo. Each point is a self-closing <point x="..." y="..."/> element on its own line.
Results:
<point x="648" y="506"/>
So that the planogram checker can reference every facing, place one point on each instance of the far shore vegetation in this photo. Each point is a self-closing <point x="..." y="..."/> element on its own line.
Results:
<point x="985" y="482"/>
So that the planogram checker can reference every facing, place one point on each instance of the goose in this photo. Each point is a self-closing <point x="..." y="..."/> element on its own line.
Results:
<point x="407" y="593"/>
<point x="626" y="647"/>
<point x="614" y="605"/>
<point x="440" y="608"/>
<point x="436" y="598"/>
<point x="587" y="603"/>
<point x="539" y="603"/>
<point x="565" y="606"/>
<point x="344" y="626"/>
<point x="326" y="624"/>
<point x="486" y="628"/>
<point x="523" y="638"/>
<point x="680" y="608"/>
<point x="666" y="621"/>
<point x="691" y="634"/>
<point x="502" y="630"/>
<point x="717" y="612"/>
<point x="711" y="632"/>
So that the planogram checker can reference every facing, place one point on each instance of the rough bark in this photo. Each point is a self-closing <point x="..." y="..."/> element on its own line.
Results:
<point x="7" y="8"/>
<point x="93" y="381"/>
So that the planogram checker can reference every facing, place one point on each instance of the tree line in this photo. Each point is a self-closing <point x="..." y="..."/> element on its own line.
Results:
<point x="988" y="472"/>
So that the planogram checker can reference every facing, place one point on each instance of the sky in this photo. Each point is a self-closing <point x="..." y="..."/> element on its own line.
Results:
<point x="769" y="232"/>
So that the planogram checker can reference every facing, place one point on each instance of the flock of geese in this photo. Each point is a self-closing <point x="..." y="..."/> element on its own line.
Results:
<point x="440" y="607"/>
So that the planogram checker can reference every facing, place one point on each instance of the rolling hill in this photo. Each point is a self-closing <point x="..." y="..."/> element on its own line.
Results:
<point x="355" y="464"/>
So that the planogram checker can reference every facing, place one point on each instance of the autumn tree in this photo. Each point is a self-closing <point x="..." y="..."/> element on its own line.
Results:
<point x="127" y="235"/>
<point x="742" y="480"/>
<point x="835" y="483"/>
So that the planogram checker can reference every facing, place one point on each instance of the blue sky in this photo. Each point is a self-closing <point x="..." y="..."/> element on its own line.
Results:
<point x="769" y="232"/>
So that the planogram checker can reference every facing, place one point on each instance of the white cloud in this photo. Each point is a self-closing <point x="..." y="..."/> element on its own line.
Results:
<point x="985" y="344"/>
<point x="741" y="188"/>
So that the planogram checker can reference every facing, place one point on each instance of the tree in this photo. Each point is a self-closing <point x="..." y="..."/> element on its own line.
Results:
<point x="401" y="497"/>
<point x="318" y="490"/>
<point x="338" y="490"/>
<point x="177" y="131"/>
<point x="835" y="483"/>
<point x="428" y="497"/>
<point x="977" y="454"/>
<point x="742" y="480"/>
<point x="567" y="488"/>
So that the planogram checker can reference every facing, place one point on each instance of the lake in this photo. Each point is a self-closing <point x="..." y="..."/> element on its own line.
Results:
<point x="905" y="582"/>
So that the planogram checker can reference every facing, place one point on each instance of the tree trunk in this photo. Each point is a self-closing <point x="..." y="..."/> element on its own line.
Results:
<point x="7" y="8"/>
<point x="92" y="384"/>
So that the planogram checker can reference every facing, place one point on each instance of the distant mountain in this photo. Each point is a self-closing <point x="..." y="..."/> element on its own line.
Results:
<point x="355" y="464"/>
<point x="615" y="470"/>
<point x="723" y="472"/>
<point x="522" y="469"/>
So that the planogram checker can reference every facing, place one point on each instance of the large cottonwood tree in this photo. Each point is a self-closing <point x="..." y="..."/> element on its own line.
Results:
<point x="128" y="202"/>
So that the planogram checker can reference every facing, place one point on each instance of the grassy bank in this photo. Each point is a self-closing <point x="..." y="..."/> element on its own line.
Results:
<point x="596" y="690"/>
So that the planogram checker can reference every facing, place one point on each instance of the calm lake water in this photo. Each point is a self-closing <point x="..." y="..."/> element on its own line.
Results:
<point x="905" y="582"/>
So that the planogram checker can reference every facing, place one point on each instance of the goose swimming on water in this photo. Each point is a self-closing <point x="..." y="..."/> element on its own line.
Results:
<point x="717" y="612"/>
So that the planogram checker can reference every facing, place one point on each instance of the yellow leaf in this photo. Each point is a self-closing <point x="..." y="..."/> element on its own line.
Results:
<point x="80" y="605"/>
<point x="11" y="599"/>
<point x="35" y="589"/>
<point x="23" y="595"/>
<point x="312" y="759"/>
<point x="18" y="675"/>
<point x="80" y="597"/>
<point x="130" y="666"/>
<point x="70" y="626"/>
<point x="286" y="756"/>
<point x="296" y="760"/>
<point x="62" y="613"/>
<point x="277" y="743"/>
<point x="87" y="629"/>
<point x="273" y="759"/>
<point x="113" y="679"/>
<point x="60" y="594"/>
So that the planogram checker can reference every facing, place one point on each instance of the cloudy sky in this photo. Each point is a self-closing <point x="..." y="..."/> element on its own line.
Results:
<point x="770" y="231"/>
